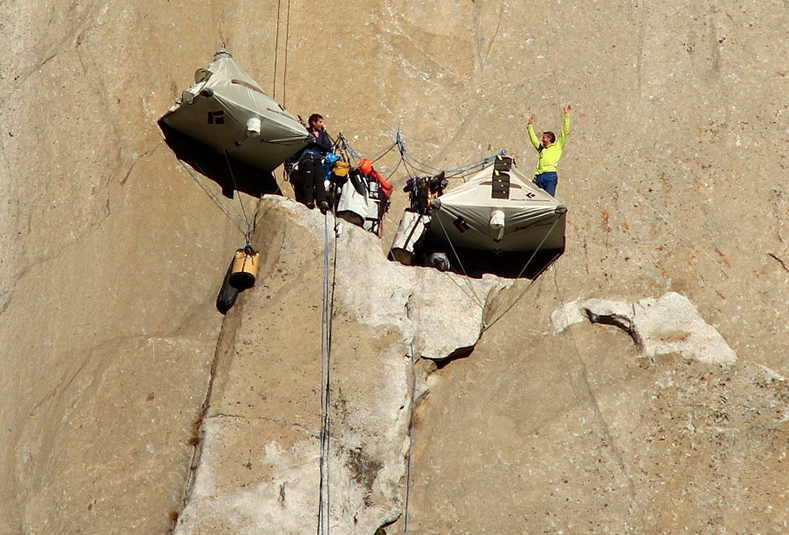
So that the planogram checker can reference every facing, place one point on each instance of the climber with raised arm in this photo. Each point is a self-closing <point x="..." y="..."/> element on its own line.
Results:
<point x="549" y="149"/>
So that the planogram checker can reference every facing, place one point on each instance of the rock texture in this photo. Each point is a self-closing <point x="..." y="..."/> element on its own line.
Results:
<point x="117" y="364"/>
<point x="662" y="326"/>
<point x="261" y="458"/>
<point x="582" y="435"/>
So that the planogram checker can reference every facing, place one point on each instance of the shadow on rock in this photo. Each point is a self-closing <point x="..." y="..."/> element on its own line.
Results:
<point x="474" y="263"/>
<point x="231" y="174"/>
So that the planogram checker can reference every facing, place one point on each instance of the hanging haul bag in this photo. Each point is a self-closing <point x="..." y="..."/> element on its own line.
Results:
<point x="245" y="268"/>
<point x="227" y="293"/>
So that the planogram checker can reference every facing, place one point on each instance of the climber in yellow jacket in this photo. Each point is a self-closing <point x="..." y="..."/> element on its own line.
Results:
<point x="550" y="150"/>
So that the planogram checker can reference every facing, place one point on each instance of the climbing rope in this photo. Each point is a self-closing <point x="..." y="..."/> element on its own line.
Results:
<point x="212" y="196"/>
<point x="324" y="494"/>
<point x="537" y="250"/>
<point x="250" y="224"/>
<point x="586" y="389"/>
<point x="285" y="66"/>
<point x="380" y="154"/>
<point x="457" y="257"/>
<point x="276" y="52"/>
<point x="531" y="283"/>
<point x="418" y="167"/>
<point x="411" y="427"/>
<point x="414" y="167"/>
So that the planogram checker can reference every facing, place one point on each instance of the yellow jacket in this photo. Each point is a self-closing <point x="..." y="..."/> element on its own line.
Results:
<point x="549" y="156"/>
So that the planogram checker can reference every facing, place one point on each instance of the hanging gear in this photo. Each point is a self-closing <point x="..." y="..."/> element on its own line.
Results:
<point x="244" y="269"/>
<point x="227" y="293"/>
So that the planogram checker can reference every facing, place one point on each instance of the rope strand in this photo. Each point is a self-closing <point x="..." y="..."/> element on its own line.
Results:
<point x="212" y="196"/>
<point x="276" y="51"/>
<point x="411" y="427"/>
<point x="232" y="175"/>
<point x="324" y="493"/>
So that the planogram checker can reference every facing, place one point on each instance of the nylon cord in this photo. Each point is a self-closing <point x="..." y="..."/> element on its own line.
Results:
<point x="324" y="493"/>
<point x="534" y="280"/>
<point x="285" y="66"/>
<point x="460" y="263"/>
<point x="211" y="196"/>
<point x="411" y="427"/>
<point x="232" y="175"/>
<point x="276" y="50"/>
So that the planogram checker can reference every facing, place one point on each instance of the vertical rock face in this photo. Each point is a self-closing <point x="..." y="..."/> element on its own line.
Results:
<point x="109" y="257"/>
<point x="582" y="436"/>
<point x="112" y="251"/>
<point x="262" y="457"/>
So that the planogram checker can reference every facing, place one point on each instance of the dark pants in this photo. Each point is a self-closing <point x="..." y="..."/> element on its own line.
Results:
<point x="312" y="188"/>
<point x="547" y="181"/>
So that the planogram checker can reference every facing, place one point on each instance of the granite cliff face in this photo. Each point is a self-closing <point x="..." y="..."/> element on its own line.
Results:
<point x="132" y="406"/>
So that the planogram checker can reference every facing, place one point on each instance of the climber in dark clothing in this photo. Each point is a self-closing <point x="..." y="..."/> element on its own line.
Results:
<point x="310" y="163"/>
<point x="322" y="141"/>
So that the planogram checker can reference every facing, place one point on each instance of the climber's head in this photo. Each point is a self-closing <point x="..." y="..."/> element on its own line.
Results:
<point x="548" y="138"/>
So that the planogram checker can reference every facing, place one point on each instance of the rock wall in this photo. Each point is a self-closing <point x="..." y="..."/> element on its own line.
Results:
<point x="584" y="433"/>
<point x="262" y="453"/>
<point x="112" y="252"/>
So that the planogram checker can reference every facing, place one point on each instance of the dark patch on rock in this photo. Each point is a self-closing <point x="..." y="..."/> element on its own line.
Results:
<point x="364" y="470"/>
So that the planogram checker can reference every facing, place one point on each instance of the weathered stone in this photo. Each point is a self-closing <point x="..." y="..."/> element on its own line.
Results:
<point x="670" y="324"/>
<point x="260" y="461"/>
<point x="110" y="249"/>
<point x="580" y="435"/>
<point x="566" y="315"/>
<point x="610" y="312"/>
<point x="448" y="310"/>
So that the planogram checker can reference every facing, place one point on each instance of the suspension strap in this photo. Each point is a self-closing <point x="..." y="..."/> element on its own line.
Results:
<point x="213" y="197"/>
<point x="531" y="283"/>
<point x="232" y="177"/>
<point x="555" y="221"/>
<point x="276" y="52"/>
<point x="457" y="257"/>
